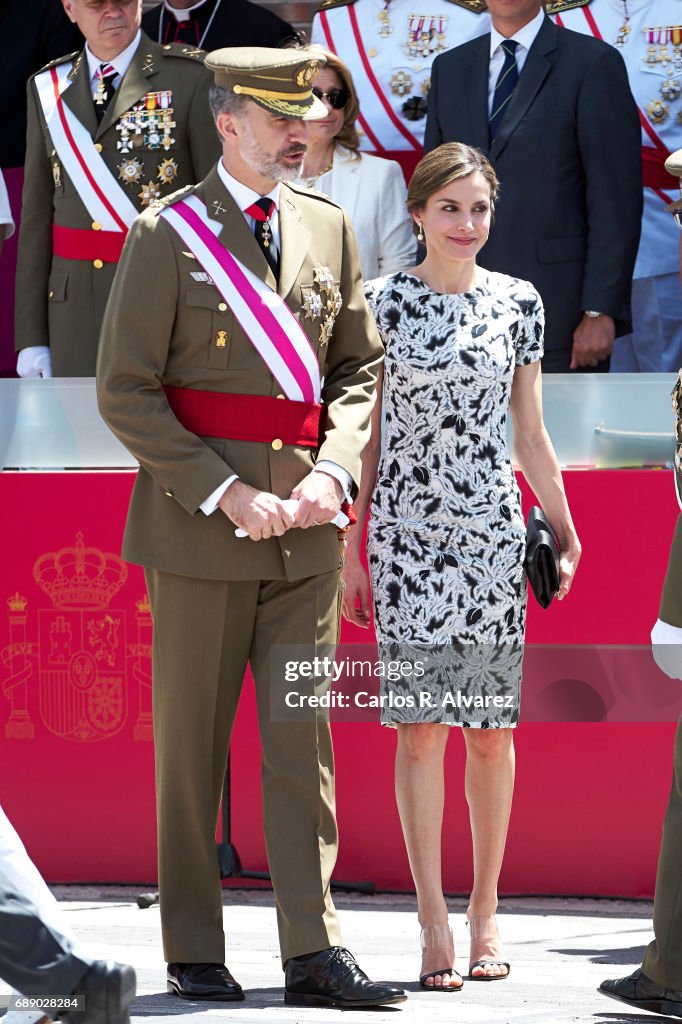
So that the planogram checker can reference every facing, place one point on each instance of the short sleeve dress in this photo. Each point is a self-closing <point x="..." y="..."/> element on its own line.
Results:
<point x="446" y="537"/>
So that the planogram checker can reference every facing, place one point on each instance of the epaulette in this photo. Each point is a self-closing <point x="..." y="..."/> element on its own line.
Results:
<point x="60" y="60"/>
<point x="182" y="50"/>
<point x="311" y="193"/>
<point x="559" y="6"/>
<point x="475" y="6"/>
<point x="329" y="5"/>
<point x="174" y="197"/>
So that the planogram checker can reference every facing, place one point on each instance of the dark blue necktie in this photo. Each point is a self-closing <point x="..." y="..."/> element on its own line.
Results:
<point x="504" y="87"/>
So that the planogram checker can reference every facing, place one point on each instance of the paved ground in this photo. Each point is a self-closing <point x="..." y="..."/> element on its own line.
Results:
<point x="560" y="950"/>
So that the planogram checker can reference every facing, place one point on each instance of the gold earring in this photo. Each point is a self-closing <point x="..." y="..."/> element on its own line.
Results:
<point x="420" y="236"/>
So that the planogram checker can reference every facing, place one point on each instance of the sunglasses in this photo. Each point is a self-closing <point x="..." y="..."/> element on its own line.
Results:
<point x="336" y="98"/>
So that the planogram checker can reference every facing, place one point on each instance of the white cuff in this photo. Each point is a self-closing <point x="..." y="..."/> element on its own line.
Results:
<point x="666" y="647"/>
<point x="209" y="506"/>
<point x="338" y="472"/>
<point x="34" y="361"/>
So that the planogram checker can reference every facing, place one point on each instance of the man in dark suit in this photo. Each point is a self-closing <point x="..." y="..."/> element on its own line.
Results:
<point x="211" y="24"/>
<point x="553" y="111"/>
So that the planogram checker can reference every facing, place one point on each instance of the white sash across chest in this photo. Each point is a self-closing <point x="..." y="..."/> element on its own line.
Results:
<point x="103" y="196"/>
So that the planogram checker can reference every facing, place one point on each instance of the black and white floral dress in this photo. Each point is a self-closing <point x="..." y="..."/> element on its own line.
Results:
<point x="446" y="537"/>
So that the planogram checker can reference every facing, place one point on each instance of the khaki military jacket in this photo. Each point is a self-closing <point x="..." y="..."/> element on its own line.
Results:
<point x="163" y="326"/>
<point x="60" y="302"/>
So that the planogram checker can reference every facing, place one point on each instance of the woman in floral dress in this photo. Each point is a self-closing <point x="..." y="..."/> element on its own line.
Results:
<point x="446" y="538"/>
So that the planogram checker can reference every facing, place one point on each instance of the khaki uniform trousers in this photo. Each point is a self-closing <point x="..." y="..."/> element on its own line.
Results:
<point x="663" y="958"/>
<point x="205" y="633"/>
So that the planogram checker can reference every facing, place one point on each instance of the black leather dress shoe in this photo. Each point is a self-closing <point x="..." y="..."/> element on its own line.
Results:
<point x="640" y="991"/>
<point x="333" y="978"/>
<point x="203" y="981"/>
<point x="109" y="989"/>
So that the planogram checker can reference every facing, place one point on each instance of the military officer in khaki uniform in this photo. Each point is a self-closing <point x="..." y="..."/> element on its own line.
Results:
<point x="110" y="130"/>
<point x="258" y="357"/>
<point x="657" y="985"/>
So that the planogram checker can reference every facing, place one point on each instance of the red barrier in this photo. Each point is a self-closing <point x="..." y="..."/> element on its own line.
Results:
<point x="75" y="727"/>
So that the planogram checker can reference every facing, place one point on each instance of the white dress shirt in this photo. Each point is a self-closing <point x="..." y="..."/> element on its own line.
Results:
<point x="6" y="218"/>
<point x="525" y="37"/>
<point x="245" y="197"/>
<point x="121" y="62"/>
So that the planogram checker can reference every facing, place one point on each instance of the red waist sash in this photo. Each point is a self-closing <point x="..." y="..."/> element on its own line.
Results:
<point x="246" y="417"/>
<point x="80" y="244"/>
<point x="249" y="418"/>
<point x="654" y="174"/>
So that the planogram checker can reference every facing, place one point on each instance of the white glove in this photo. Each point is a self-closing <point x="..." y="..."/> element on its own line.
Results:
<point x="666" y="647"/>
<point x="35" y="361"/>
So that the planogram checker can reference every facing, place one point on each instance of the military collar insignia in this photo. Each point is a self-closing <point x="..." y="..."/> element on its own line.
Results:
<point x="559" y="6"/>
<point x="475" y="6"/>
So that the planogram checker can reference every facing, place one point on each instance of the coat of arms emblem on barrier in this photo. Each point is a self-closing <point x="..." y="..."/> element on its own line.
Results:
<point x="82" y="653"/>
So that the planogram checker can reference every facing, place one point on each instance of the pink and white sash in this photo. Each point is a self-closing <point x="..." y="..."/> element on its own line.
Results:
<point x="102" y="195"/>
<point x="266" y="319"/>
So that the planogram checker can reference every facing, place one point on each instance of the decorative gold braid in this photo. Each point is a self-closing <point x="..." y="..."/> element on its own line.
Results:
<point x="559" y="6"/>
<point x="268" y="94"/>
<point x="288" y="109"/>
<point x="475" y="6"/>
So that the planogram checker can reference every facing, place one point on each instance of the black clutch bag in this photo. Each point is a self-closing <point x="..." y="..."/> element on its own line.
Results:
<point x="542" y="557"/>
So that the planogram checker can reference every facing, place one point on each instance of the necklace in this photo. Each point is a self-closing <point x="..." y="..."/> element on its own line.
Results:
<point x="309" y="182"/>
<point x="624" y="30"/>
<point x="200" y="43"/>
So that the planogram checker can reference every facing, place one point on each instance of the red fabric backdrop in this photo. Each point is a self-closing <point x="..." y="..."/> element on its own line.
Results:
<point x="76" y="758"/>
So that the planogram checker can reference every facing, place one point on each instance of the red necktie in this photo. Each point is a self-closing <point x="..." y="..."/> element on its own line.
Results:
<point x="261" y="211"/>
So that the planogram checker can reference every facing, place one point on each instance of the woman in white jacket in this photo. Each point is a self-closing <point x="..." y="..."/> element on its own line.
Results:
<point x="372" y="190"/>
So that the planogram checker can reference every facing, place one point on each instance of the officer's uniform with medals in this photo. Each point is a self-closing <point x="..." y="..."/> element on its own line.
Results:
<point x="260" y="362"/>
<point x="648" y="35"/>
<point x="104" y="156"/>
<point x="389" y="47"/>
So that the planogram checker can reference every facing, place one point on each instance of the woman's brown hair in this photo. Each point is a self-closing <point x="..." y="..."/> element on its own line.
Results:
<point x="348" y="136"/>
<point x="446" y="163"/>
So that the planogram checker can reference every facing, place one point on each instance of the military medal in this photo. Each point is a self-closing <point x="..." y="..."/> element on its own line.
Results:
<point x="322" y="276"/>
<point x="167" y="171"/>
<point x="415" y="108"/>
<point x="671" y="89"/>
<point x="149" y="193"/>
<point x="401" y="83"/>
<point x="102" y="72"/>
<point x="676" y="40"/>
<point x="651" y="57"/>
<point x="221" y="339"/>
<point x="658" y="111"/>
<point x="130" y="171"/>
<point x="312" y="305"/>
<point x="624" y="30"/>
<point x="384" y="17"/>
<point x="426" y="36"/>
